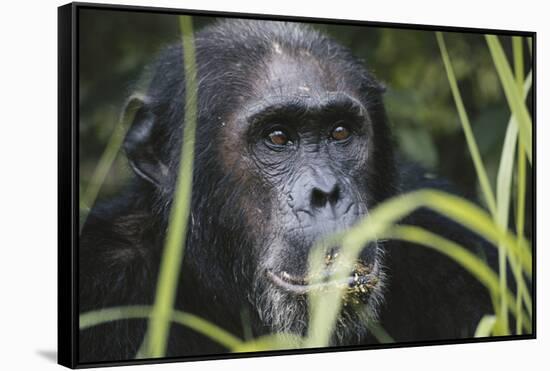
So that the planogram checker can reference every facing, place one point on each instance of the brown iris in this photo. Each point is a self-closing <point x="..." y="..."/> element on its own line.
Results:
<point x="340" y="133"/>
<point x="278" y="137"/>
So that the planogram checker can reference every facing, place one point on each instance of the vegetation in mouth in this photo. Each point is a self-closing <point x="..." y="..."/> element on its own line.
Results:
<point x="357" y="286"/>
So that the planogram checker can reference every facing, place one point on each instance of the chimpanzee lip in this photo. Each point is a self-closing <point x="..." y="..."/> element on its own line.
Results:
<point x="362" y="281"/>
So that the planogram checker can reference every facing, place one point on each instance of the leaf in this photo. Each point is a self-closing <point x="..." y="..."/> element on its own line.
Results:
<point x="98" y="317"/>
<point x="485" y="326"/>
<point x="280" y="341"/>
<point x="325" y="307"/>
<point x="202" y="326"/>
<point x="206" y="328"/>
<point x="159" y="322"/>
<point x="504" y="186"/>
<point x="467" y="128"/>
<point x="512" y="93"/>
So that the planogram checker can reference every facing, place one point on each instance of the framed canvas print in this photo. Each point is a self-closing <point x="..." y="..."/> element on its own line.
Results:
<point x="235" y="185"/>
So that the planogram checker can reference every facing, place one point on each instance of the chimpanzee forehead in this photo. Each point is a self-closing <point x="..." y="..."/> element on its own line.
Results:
<point x="296" y="73"/>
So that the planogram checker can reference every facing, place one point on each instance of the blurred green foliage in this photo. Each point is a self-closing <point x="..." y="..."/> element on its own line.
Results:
<point x="116" y="45"/>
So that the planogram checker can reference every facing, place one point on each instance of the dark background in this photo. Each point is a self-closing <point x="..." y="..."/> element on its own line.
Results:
<point x="116" y="45"/>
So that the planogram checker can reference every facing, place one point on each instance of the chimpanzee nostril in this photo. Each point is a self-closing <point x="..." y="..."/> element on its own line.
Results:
<point x="334" y="196"/>
<point x="320" y="198"/>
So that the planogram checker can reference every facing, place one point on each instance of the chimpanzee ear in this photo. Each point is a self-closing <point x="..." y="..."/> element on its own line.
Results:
<point x="139" y="143"/>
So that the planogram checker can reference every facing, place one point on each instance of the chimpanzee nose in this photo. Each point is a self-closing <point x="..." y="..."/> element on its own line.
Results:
<point x="329" y="195"/>
<point x="319" y="195"/>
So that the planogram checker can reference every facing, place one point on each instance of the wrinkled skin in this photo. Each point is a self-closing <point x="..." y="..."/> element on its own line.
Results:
<point x="292" y="145"/>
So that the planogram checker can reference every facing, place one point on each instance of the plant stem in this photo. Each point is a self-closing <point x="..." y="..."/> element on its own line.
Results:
<point x="159" y="324"/>
<point x="517" y="44"/>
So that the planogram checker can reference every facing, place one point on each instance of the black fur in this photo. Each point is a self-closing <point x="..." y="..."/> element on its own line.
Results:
<point x="234" y="218"/>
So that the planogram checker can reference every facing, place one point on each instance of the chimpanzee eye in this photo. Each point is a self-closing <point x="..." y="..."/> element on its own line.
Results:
<point x="279" y="138"/>
<point x="340" y="133"/>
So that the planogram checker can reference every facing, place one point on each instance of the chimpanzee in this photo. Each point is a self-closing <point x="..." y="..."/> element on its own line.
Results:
<point x="292" y="144"/>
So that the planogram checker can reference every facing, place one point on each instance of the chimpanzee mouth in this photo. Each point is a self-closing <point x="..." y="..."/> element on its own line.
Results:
<point x="363" y="280"/>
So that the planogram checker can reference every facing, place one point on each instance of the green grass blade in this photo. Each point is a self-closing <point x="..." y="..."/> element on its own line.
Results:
<point x="477" y="267"/>
<point x="98" y="317"/>
<point x="522" y="171"/>
<point x="475" y="219"/>
<point x="504" y="177"/>
<point x="159" y="324"/>
<point x="505" y="171"/>
<point x="326" y="306"/>
<point x="208" y="329"/>
<point x="512" y="93"/>
<point x="280" y="341"/>
<point x="379" y="333"/>
<point x="517" y="47"/>
<point x="460" y="210"/>
<point x="467" y="128"/>
<point x="89" y="196"/>
<point x="471" y="262"/>
<point x="519" y="230"/>
<point x="504" y="184"/>
<point x="485" y="326"/>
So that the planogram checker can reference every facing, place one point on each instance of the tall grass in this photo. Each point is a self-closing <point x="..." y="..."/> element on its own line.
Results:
<point x="492" y="224"/>
<point x="161" y="315"/>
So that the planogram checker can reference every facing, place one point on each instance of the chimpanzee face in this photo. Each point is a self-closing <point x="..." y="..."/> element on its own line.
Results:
<point x="304" y="140"/>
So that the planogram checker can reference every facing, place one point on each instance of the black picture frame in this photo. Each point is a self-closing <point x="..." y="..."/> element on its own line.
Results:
<point x="68" y="180"/>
